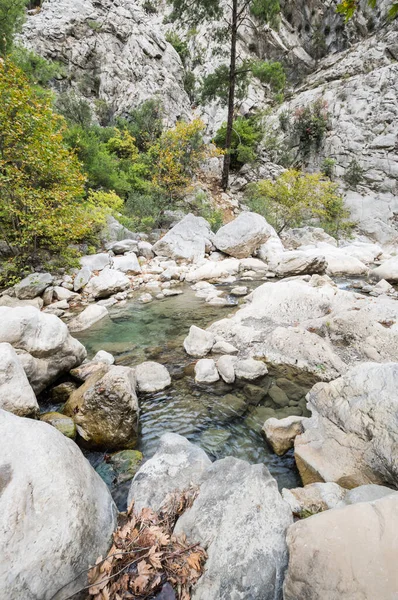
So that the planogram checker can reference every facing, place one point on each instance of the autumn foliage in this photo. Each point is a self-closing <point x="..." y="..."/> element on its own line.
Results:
<point x="146" y="558"/>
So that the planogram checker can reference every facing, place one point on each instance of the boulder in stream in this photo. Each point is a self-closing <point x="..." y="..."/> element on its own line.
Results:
<point x="152" y="377"/>
<point x="244" y="235"/>
<point x="16" y="394"/>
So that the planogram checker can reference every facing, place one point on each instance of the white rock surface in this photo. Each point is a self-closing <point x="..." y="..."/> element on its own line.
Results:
<point x="187" y="240"/>
<point x="281" y="433"/>
<point x="198" y="342"/>
<point x="123" y="246"/>
<point x="250" y="369"/>
<point x="206" y="371"/>
<point x="16" y="394"/>
<point x="96" y="262"/>
<point x="82" y="278"/>
<point x="152" y="377"/>
<point x="388" y="270"/>
<point x="127" y="264"/>
<point x="90" y="315"/>
<point x="243" y="236"/>
<point x="314" y="498"/>
<point x="46" y="548"/>
<point x="108" y="282"/>
<point x="43" y="344"/>
<point x="176" y="466"/>
<point x="226" y="368"/>
<point x="33" y="285"/>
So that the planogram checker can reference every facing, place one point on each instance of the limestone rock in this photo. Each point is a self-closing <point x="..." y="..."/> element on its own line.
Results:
<point x="226" y="368"/>
<point x="61" y="512"/>
<point x="152" y="377"/>
<point x="95" y="262"/>
<point x="250" y="369"/>
<point x="90" y="315"/>
<point x="108" y="282"/>
<point x="33" y="285"/>
<point x="16" y="395"/>
<point x="198" y="342"/>
<point x="346" y="553"/>
<point x="388" y="270"/>
<point x="210" y="270"/>
<point x="206" y="371"/>
<point x="127" y="264"/>
<point x="241" y="520"/>
<point x="363" y="493"/>
<point x="123" y="246"/>
<point x="300" y="263"/>
<point x="314" y="498"/>
<point x="222" y="347"/>
<point x="82" y="278"/>
<point x="64" y="424"/>
<point x="351" y="437"/>
<point x="280" y="433"/>
<point x="43" y="344"/>
<point x="62" y="293"/>
<point x="105" y="409"/>
<point x="243" y="236"/>
<point x="187" y="240"/>
<point x="176" y="466"/>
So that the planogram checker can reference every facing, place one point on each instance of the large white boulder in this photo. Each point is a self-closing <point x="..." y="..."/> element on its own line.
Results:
<point x="345" y="553"/>
<point x="351" y="438"/>
<point x="33" y="285"/>
<point x="176" y="466"/>
<point x="388" y="270"/>
<point x="16" y="394"/>
<point x="206" y="371"/>
<point x="152" y="377"/>
<point x="90" y="315"/>
<point x="300" y="263"/>
<point x="241" y="520"/>
<point x="107" y="283"/>
<point x="105" y="408"/>
<point x="56" y="514"/>
<point x="43" y="344"/>
<point x="96" y="262"/>
<point x="244" y="235"/>
<point x="189" y="240"/>
<point x="127" y="264"/>
<point x="198" y="342"/>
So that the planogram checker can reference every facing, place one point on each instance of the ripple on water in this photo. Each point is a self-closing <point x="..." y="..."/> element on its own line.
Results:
<point x="220" y="417"/>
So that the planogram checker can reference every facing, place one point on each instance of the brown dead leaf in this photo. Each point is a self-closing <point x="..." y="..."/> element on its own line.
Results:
<point x="194" y="560"/>
<point x="140" y="583"/>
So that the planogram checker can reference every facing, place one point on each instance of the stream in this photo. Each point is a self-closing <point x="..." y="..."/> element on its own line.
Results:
<point x="225" y="420"/>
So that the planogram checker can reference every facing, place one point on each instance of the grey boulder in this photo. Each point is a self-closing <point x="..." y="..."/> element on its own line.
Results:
<point x="16" y="394"/>
<point x="188" y="240"/>
<point x="33" y="285"/>
<point x="56" y="514"/>
<point x="244" y="235"/>
<point x="107" y="283"/>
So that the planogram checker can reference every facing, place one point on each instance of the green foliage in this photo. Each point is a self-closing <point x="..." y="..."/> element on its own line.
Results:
<point x="94" y="25"/>
<point x="327" y="167"/>
<point x="149" y="7"/>
<point x="190" y="85"/>
<point x="41" y="185"/>
<point x="296" y="198"/>
<point x="201" y="206"/>
<point x="347" y="8"/>
<point x="245" y="137"/>
<point x="144" y="123"/>
<point x="37" y="69"/>
<point x="353" y="175"/>
<point x="12" y="16"/>
<point x="267" y="11"/>
<point x="310" y="125"/>
<point x="179" y="45"/>
<point x="215" y="86"/>
<point x="75" y="109"/>
<point x="269" y="72"/>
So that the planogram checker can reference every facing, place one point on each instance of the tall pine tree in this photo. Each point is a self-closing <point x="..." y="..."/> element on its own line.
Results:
<point x="233" y="14"/>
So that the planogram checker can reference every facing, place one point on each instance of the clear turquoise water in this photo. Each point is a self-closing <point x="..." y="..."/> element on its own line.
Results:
<point x="137" y="332"/>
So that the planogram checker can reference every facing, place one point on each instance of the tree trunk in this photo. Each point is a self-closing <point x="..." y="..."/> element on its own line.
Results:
<point x="231" y="96"/>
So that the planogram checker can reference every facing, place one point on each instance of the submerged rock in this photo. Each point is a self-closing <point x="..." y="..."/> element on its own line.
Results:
<point x="152" y="377"/>
<point x="43" y="344"/>
<point x="61" y="512"/>
<point x="345" y="553"/>
<point x="16" y="394"/>
<point x="105" y="409"/>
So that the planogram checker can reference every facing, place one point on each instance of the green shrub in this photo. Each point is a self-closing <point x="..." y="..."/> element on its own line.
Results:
<point x="37" y="69"/>
<point x="75" y="109"/>
<point x="149" y="7"/>
<point x="327" y="167"/>
<point x="353" y="175"/>
<point x="297" y="198"/>
<point x="179" y="45"/>
<point x="310" y="125"/>
<point x="190" y="84"/>
<point x="12" y="16"/>
<point x="144" y="123"/>
<point x="202" y="207"/>
<point x="245" y="138"/>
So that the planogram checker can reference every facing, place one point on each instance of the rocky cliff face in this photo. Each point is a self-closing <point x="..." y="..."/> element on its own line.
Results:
<point x="114" y="50"/>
